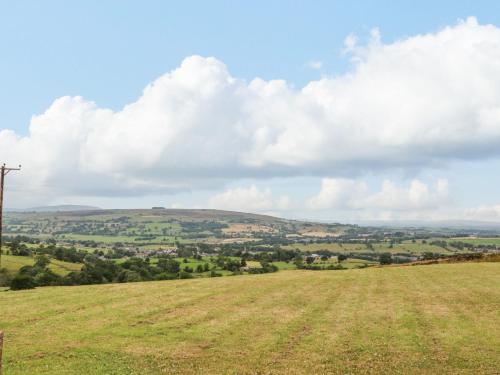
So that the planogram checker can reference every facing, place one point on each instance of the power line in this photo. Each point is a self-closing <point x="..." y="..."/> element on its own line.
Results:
<point x="4" y="171"/>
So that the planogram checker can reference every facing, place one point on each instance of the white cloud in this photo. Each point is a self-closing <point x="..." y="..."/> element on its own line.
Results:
<point x="350" y="43"/>
<point x="338" y="193"/>
<point x="350" y="194"/>
<point x="315" y="64"/>
<point x="483" y="212"/>
<point x="417" y="102"/>
<point x="250" y="199"/>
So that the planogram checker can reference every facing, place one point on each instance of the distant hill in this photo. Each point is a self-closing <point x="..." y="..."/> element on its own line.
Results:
<point x="177" y="214"/>
<point x="57" y="208"/>
<point x="160" y="226"/>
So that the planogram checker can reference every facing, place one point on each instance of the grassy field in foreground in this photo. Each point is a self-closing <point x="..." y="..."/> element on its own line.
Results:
<point x="438" y="319"/>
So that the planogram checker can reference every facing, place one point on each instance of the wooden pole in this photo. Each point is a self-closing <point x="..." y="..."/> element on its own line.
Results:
<point x="2" y="178"/>
<point x="3" y="172"/>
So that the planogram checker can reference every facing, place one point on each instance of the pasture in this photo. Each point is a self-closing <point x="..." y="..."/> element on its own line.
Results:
<point x="479" y="241"/>
<point x="437" y="319"/>
<point x="405" y="247"/>
<point x="13" y="263"/>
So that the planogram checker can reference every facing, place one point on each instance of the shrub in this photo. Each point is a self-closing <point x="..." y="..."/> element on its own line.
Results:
<point x="185" y="275"/>
<point x="168" y="265"/>
<point x="128" y="276"/>
<point x="385" y="258"/>
<point x="341" y="257"/>
<point x="46" y="277"/>
<point x="165" y="276"/>
<point x="22" y="281"/>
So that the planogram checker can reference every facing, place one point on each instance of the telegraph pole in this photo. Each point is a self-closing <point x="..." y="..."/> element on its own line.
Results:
<point x="4" y="171"/>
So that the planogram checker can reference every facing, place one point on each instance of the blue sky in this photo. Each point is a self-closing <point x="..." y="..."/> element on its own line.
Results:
<point x="108" y="52"/>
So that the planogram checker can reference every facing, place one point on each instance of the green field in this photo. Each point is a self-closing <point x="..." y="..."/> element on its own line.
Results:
<point x="405" y="247"/>
<point x="348" y="263"/>
<point x="13" y="263"/>
<point x="119" y="238"/>
<point x="439" y="319"/>
<point x="478" y="241"/>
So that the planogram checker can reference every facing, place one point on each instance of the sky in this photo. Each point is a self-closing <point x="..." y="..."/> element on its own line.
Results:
<point x="328" y="110"/>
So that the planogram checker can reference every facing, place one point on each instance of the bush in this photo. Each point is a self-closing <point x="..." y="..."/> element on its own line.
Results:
<point x="128" y="276"/>
<point x="165" y="276"/>
<point x="185" y="275"/>
<point x="168" y="265"/>
<point x="385" y="258"/>
<point x="341" y="257"/>
<point x="265" y="268"/>
<point x="46" y="277"/>
<point x="21" y="281"/>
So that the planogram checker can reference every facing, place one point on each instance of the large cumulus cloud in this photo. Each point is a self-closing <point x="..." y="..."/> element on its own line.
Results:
<point x="342" y="193"/>
<point x="419" y="101"/>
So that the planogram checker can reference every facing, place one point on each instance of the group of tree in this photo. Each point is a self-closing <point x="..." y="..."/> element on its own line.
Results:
<point x="311" y="264"/>
<point x="97" y="270"/>
<point x="16" y="247"/>
<point x="385" y="258"/>
<point x="230" y="264"/>
<point x="101" y="271"/>
<point x="39" y="274"/>
<point x="265" y="267"/>
<point x="66" y="254"/>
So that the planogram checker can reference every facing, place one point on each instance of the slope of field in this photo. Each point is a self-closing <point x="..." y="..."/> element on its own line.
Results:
<point x="439" y="319"/>
<point x="12" y="263"/>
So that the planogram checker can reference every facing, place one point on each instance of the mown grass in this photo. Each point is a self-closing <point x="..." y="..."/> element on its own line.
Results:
<point x="439" y="319"/>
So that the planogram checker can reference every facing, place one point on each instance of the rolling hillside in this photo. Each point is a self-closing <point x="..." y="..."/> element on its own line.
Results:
<point x="161" y="226"/>
<point x="14" y="263"/>
<point x="440" y="319"/>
